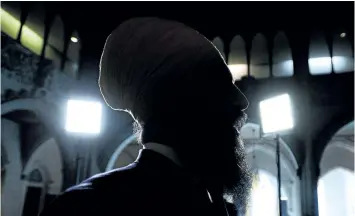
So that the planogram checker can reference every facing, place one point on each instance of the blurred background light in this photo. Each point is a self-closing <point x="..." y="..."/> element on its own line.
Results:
<point x="276" y="114"/>
<point x="74" y="39"/>
<point x="83" y="117"/>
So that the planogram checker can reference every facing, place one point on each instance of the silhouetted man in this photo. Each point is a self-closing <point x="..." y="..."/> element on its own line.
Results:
<point x="179" y="90"/>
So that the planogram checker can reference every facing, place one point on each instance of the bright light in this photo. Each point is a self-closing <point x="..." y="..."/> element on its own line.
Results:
<point x="83" y="117"/>
<point x="276" y="114"/>
<point x="284" y="198"/>
<point x="238" y="70"/>
<point x="263" y="196"/>
<point x="9" y="24"/>
<point x="343" y="35"/>
<point x="74" y="39"/>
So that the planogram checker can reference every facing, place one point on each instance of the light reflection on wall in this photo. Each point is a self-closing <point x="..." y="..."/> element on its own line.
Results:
<point x="317" y="66"/>
<point x="283" y="69"/>
<point x="9" y="24"/>
<point x="323" y="65"/>
<point x="238" y="71"/>
<point x="30" y="39"/>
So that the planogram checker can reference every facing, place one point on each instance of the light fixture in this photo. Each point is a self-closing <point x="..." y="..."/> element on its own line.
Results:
<point x="276" y="114"/>
<point x="83" y="117"/>
<point x="276" y="117"/>
<point x="343" y="35"/>
<point x="74" y="39"/>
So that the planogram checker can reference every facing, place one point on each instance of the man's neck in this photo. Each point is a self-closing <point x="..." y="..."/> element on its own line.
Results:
<point x="164" y="150"/>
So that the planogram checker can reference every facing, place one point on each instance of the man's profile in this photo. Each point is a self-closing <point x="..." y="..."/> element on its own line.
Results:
<point x="177" y="87"/>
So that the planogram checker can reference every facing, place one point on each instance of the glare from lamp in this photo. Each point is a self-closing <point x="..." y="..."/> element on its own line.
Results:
<point x="83" y="117"/>
<point x="343" y="35"/>
<point x="276" y="114"/>
<point x="74" y="39"/>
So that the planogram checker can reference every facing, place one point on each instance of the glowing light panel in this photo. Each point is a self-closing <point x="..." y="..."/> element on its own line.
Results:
<point x="276" y="114"/>
<point x="83" y="117"/>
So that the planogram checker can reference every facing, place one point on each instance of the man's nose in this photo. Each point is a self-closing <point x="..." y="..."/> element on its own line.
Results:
<point x="240" y="99"/>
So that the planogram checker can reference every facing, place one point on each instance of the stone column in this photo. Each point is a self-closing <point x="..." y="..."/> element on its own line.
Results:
<point x="309" y="180"/>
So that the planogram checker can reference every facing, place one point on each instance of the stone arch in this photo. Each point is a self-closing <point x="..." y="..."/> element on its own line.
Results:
<point x="261" y="155"/>
<point x="259" y="57"/>
<point x="264" y="195"/>
<point x="322" y="138"/>
<point x="339" y="151"/>
<point x="282" y="57"/>
<point x="47" y="158"/>
<point x="337" y="174"/>
<point x="52" y="117"/>
<point x="33" y="30"/>
<point x="12" y="191"/>
<point x="237" y="59"/>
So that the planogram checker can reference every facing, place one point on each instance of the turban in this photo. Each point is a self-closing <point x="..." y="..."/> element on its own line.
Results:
<point x="146" y="60"/>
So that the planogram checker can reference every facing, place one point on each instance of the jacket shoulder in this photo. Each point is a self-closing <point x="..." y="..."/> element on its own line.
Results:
<point x="88" y="196"/>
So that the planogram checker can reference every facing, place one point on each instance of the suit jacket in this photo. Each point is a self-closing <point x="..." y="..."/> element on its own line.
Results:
<point x="153" y="185"/>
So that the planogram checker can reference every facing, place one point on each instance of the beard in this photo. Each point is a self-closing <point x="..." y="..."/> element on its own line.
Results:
<point x="225" y="165"/>
<point x="212" y="150"/>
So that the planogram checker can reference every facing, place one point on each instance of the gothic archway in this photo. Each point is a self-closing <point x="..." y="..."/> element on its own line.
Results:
<point x="337" y="176"/>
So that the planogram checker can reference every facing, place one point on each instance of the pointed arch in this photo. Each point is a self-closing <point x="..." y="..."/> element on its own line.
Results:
<point x="319" y="61"/>
<point x="259" y="62"/>
<point x="282" y="57"/>
<point x="48" y="159"/>
<point x="343" y="59"/>
<point x="237" y="59"/>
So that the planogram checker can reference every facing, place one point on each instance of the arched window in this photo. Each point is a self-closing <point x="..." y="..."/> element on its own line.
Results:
<point x="261" y="157"/>
<point x="343" y="60"/>
<point x="218" y="42"/>
<point x="55" y="44"/>
<point x="33" y="30"/>
<point x="336" y="185"/>
<point x="319" y="61"/>
<point x="336" y="193"/>
<point x="282" y="57"/>
<point x="259" y="62"/>
<point x="10" y="18"/>
<point x="237" y="59"/>
<point x="264" y="195"/>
